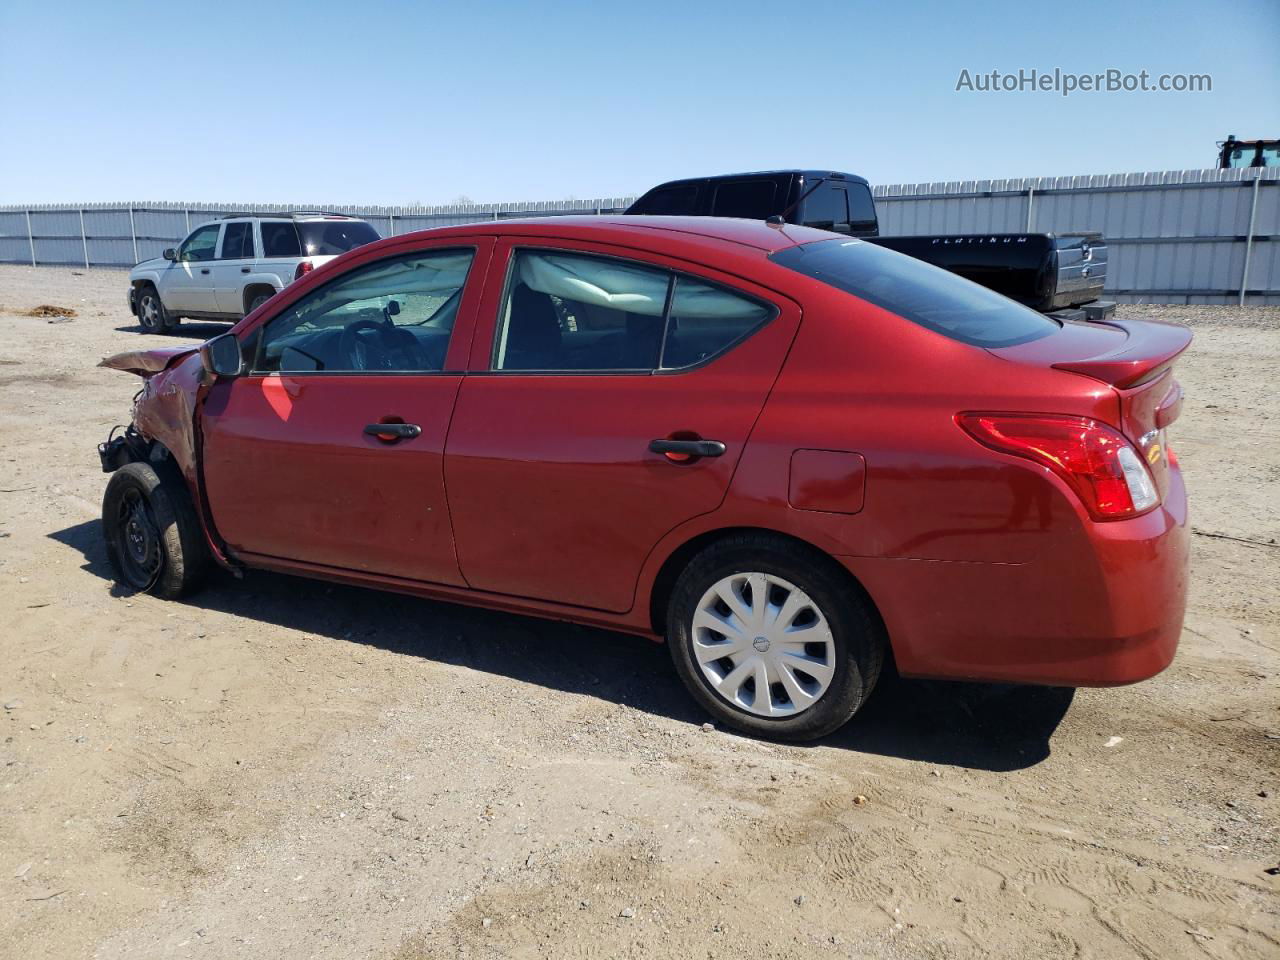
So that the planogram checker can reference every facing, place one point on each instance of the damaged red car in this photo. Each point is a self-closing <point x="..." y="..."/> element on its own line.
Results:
<point x="790" y="454"/>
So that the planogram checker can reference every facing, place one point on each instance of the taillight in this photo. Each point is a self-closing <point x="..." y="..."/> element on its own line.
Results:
<point x="304" y="267"/>
<point x="1098" y="462"/>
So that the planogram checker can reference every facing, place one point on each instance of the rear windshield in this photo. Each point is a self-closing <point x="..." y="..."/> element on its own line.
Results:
<point x="920" y="292"/>
<point x="327" y="238"/>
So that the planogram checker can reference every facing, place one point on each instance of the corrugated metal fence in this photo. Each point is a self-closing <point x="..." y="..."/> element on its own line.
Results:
<point x="1191" y="236"/>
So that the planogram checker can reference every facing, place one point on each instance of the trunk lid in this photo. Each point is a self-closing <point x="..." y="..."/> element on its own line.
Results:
<point x="1133" y="357"/>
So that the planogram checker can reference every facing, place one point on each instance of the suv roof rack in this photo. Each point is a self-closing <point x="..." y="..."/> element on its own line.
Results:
<point x="286" y="215"/>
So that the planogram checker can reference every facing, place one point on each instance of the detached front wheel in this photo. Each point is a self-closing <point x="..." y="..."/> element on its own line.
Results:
<point x="773" y="639"/>
<point x="153" y="536"/>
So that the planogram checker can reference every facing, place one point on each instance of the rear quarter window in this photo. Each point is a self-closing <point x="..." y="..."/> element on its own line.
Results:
<point x="918" y="291"/>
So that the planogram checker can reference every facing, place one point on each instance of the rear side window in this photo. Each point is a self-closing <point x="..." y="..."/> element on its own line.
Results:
<point x="862" y="209"/>
<point x="920" y="292"/>
<point x="237" y="241"/>
<point x="668" y="201"/>
<point x="280" y="239"/>
<point x="570" y="312"/>
<point x="826" y="209"/>
<point x="328" y="238"/>
<point x="747" y="199"/>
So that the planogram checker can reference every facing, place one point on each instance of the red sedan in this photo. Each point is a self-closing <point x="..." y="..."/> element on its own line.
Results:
<point x="791" y="454"/>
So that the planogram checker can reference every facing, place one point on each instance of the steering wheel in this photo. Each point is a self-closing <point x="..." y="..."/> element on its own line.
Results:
<point x="355" y="348"/>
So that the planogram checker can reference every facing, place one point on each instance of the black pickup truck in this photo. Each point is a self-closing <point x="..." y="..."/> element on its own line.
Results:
<point x="1059" y="274"/>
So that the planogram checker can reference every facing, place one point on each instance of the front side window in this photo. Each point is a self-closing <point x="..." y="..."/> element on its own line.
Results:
<point x="920" y="292"/>
<point x="201" y="244"/>
<point x="392" y="316"/>
<point x="280" y="239"/>
<point x="679" y="201"/>
<point x="573" y="312"/>
<point x="237" y="241"/>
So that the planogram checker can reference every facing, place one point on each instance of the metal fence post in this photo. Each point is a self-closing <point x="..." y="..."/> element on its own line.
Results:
<point x="133" y="233"/>
<point x="1031" y="199"/>
<point x="1248" y="242"/>
<point x="31" y="240"/>
<point x="187" y="216"/>
<point x="84" y="239"/>
<point x="391" y="224"/>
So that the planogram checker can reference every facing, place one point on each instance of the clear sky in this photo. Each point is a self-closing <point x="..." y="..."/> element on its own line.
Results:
<point x="399" y="102"/>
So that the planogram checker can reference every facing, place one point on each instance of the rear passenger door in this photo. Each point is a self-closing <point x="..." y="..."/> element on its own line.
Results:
<point x="585" y="355"/>
<point x="235" y="260"/>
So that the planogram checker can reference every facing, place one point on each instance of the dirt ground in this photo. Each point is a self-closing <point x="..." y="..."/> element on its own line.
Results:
<point x="284" y="768"/>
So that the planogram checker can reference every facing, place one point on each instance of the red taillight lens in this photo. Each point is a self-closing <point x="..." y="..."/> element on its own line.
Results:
<point x="1095" y="460"/>
<point x="305" y="267"/>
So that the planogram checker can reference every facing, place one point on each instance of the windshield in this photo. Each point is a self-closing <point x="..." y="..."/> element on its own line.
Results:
<point x="327" y="238"/>
<point x="920" y="292"/>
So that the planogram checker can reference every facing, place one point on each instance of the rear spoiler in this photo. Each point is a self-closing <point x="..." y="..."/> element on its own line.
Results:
<point x="1150" y="348"/>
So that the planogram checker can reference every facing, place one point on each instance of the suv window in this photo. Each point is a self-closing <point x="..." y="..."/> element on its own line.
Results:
<point x="826" y="208"/>
<point x="677" y="201"/>
<point x="201" y="244"/>
<point x="280" y="239"/>
<point x="392" y="316"/>
<point x="325" y="238"/>
<point x="575" y="312"/>
<point x="748" y="199"/>
<point x="862" y="209"/>
<point x="920" y="292"/>
<point x="237" y="241"/>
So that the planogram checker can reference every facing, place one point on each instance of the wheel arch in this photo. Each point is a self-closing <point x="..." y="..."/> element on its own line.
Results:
<point x="252" y="290"/>
<point x="669" y="571"/>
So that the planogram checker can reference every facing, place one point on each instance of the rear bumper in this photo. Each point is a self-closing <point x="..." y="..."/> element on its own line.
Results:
<point x="1101" y="608"/>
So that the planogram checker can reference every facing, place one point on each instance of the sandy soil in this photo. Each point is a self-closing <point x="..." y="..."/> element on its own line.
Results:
<point x="286" y="768"/>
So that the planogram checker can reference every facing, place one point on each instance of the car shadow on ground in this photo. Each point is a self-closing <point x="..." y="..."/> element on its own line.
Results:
<point x="973" y="725"/>
<point x="187" y="330"/>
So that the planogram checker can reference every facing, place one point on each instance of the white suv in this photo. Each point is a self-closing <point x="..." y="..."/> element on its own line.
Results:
<point x="230" y="267"/>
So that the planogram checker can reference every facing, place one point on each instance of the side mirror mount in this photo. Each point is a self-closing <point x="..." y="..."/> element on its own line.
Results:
<point x="221" y="356"/>
<point x="170" y="253"/>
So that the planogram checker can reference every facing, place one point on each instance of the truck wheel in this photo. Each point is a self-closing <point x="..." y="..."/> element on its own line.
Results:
<point x="153" y="536"/>
<point x="152" y="315"/>
<point x="258" y="301"/>
<point x="772" y="638"/>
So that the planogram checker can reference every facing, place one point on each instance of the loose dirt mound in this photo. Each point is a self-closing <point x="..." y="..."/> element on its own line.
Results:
<point x="48" y="310"/>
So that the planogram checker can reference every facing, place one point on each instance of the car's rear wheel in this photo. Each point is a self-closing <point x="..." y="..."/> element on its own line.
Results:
<point x="153" y="536"/>
<point x="152" y="315"/>
<point x="258" y="301"/>
<point x="773" y="638"/>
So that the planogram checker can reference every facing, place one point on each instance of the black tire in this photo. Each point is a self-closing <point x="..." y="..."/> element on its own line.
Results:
<point x="257" y="301"/>
<point x="153" y="536"/>
<point x="152" y="315"/>
<point x="856" y="632"/>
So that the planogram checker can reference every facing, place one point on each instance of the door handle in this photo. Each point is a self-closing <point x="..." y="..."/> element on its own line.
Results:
<point x="204" y="269"/>
<point x="681" y="450"/>
<point x="393" y="432"/>
<point x="244" y="270"/>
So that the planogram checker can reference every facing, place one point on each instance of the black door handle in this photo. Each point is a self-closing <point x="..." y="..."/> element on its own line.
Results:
<point x="244" y="270"/>
<point x="392" y="432"/>
<point x="687" y="448"/>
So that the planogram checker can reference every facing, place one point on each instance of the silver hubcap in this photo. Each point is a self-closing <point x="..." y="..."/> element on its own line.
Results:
<point x="763" y="644"/>
<point x="150" y="314"/>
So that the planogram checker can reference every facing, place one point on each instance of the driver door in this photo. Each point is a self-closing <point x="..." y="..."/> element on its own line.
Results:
<point x="329" y="450"/>
<point x="188" y="282"/>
